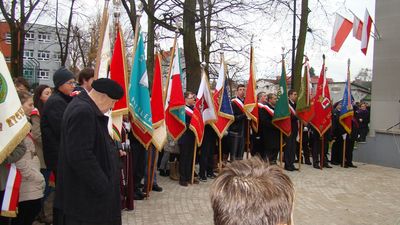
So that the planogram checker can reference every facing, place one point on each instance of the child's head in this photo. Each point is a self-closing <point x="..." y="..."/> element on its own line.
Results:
<point x="27" y="101"/>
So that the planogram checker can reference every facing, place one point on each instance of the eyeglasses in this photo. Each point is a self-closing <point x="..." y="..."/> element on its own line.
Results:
<point x="72" y="83"/>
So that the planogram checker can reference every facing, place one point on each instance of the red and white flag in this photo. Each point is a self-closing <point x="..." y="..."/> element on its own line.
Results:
<point x="204" y="110"/>
<point x="366" y="31"/>
<point x="341" y="30"/>
<point x="11" y="193"/>
<point x="357" y="27"/>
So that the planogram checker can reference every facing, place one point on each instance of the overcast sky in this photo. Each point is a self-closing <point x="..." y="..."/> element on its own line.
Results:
<point x="272" y="35"/>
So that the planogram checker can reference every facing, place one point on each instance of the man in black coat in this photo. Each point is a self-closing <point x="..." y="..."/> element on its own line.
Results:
<point x="186" y="143"/>
<point x="291" y="146"/>
<point x="238" y="129"/>
<point x="270" y="135"/>
<point x="53" y="111"/>
<point x="88" y="174"/>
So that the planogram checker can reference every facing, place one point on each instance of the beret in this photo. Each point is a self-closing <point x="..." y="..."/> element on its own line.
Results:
<point x="61" y="76"/>
<point x="109" y="87"/>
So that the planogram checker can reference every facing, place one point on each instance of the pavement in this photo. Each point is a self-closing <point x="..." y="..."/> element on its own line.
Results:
<point x="367" y="195"/>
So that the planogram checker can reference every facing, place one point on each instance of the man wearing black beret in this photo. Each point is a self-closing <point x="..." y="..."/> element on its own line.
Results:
<point x="88" y="175"/>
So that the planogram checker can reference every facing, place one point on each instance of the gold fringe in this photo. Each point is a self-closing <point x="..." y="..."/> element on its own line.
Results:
<point x="9" y="213"/>
<point x="14" y="142"/>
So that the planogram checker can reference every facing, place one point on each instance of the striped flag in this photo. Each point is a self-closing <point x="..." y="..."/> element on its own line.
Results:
<point x="174" y="102"/>
<point x="9" y="206"/>
<point x="347" y="113"/>
<point x="366" y="31"/>
<point x="203" y="111"/>
<point x="357" y="27"/>
<point x="222" y="104"/>
<point x="250" y="102"/>
<point x="139" y="98"/>
<point x="281" y="119"/>
<point x="341" y="30"/>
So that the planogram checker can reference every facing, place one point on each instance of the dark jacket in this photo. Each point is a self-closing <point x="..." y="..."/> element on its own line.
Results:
<point x="270" y="135"/>
<point x="362" y="118"/>
<point x="239" y="125"/>
<point x="188" y="136"/>
<point x="337" y="128"/>
<point x="50" y="125"/>
<point x="293" y="120"/>
<point x="88" y="175"/>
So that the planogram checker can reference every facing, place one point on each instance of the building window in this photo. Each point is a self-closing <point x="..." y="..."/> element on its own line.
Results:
<point x="43" y="74"/>
<point x="8" y="38"/>
<point x="28" y="54"/>
<point x="29" y="36"/>
<point x="44" y="37"/>
<point x="43" y="55"/>
<point x="28" y="73"/>
<point x="57" y="57"/>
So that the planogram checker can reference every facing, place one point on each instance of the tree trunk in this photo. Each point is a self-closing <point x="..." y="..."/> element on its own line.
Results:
<point x="14" y="52"/>
<point x="150" y="44"/>
<point x="300" y="45"/>
<point x="190" y="46"/>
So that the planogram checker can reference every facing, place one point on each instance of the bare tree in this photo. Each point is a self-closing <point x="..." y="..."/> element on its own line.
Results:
<point x="64" y="32"/>
<point x="16" y="23"/>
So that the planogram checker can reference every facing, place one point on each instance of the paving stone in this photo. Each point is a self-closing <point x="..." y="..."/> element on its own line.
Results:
<point x="365" y="195"/>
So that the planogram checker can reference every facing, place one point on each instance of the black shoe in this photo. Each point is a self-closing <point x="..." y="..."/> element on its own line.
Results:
<point x="203" y="179"/>
<point x="157" y="188"/>
<point x="350" y="165"/>
<point x="317" y="167"/>
<point x="327" y="166"/>
<point x="289" y="169"/>
<point x="294" y="168"/>
<point x="308" y="163"/>
<point x="211" y="176"/>
<point x="164" y="173"/>
<point x="183" y="183"/>
<point x="138" y="196"/>
<point x="335" y="163"/>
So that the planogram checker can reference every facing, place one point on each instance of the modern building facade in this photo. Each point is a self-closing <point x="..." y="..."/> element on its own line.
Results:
<point x="41" y="54"/>
<point x="383" y="144"/>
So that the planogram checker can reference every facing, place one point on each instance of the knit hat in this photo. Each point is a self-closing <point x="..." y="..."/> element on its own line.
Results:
<point x="109" y="87"/>
<point x="61" y="76"/>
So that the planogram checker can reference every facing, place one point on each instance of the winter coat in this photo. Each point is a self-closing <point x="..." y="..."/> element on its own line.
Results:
<point x="50" y="126"/>
<point x="88" y="175"/>
<point x="32" y="182"/>
<point x="37" y="136"/>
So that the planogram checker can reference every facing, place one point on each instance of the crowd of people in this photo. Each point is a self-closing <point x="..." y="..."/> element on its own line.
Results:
<point x="74" y="173"/>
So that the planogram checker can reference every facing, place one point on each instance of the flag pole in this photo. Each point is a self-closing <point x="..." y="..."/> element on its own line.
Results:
<point x="280" y="149"/>
<point x="171" y="61"/>
<point x="153" y="167"/>
<point x="248" y="138"/>
<point x="301" y="143"/>
<point x="219" y="154"/>
<point x="194" y="162"/>
<point x="137" y="25"/>
<point x="344" y="148"/>
<point x="104" y="21"/>
<point x="149" y="156"/>
<point x="322" y="152"/>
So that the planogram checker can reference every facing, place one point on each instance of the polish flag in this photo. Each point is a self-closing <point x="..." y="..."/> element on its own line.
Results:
<point x="341" y="30"/>
<point x="366" y="31"/>
<point x="357" y="28"/>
